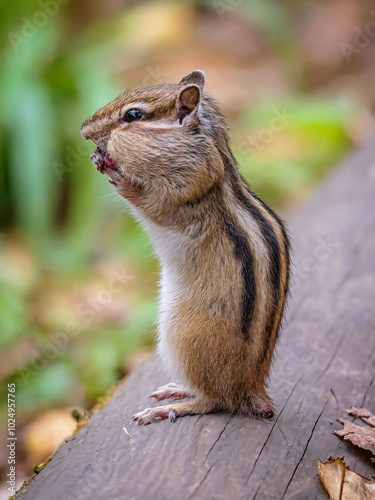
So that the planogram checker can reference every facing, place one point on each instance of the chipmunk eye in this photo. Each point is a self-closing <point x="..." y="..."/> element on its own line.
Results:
<point x="133" y="115"/>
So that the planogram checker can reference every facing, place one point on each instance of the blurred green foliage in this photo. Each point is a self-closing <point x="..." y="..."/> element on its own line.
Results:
<point x="62" y="213"/>
<point x="311" y="134"/>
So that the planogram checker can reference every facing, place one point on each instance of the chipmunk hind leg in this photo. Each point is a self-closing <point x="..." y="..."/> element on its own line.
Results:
<point x="174" y="411"/>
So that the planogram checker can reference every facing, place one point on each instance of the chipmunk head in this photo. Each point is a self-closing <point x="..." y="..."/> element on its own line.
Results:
<point x="160" y="141"/>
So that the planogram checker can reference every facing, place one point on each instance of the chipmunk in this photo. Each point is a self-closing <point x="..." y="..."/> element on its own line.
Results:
<point x="224" y="254"/>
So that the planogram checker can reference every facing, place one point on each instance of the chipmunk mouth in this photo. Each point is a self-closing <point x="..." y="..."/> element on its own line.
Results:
<point x="101" y="160"/>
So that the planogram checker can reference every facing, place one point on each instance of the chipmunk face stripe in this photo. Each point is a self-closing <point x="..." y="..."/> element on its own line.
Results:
<point x="244" y="256"/>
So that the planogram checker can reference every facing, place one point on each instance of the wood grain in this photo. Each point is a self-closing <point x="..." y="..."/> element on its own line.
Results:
<point x="328" y="343"/>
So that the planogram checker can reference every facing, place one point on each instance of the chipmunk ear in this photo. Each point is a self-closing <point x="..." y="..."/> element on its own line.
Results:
<point x="188" y="100"/>
<point x="190" y="94"/>
<point x="195" y="77"/>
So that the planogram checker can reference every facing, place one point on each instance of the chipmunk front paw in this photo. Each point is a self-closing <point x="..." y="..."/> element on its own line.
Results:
<point x="151" y="415"/>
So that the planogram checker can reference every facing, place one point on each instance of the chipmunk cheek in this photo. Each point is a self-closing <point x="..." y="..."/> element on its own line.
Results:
<point x="118" y="146"/>
<point x="113" y="154"/>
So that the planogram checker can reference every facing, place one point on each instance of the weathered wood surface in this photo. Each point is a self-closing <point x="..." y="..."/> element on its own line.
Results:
<point x="327" y="343"/>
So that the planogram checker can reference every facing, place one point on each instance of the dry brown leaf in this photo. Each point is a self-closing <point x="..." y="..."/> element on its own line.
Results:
<point x="342" y="483"/>
<point x="364" y="414"/>
<point x="364" y="437"/>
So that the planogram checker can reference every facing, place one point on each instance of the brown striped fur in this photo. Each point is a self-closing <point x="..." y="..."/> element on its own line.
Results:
<point x="224" y="253"/>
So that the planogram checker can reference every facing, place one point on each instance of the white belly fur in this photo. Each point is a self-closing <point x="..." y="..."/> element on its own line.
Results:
<point x="169" y="246"/>
<point x="168" y="292"/>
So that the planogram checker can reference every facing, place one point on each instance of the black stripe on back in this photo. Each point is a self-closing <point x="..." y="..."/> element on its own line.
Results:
<point x="244" y="256"/>
<point x="286" y="241"/>
<point x="276" y="297"/>
<point x="238" y="185"/>
<point x="284" y="232"/>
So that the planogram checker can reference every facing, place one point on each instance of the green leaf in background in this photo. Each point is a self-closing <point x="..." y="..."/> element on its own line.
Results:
<point x="53" y="385"/>
<point x="290" y="144"/>
<point x="14" y="320"/>
<point x="109" y="351"/>
<point x="28" y="115"/>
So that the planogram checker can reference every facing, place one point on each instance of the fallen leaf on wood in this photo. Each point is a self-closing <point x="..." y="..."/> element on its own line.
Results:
<point x="342" y="483"/>
<point x="364" y="437"/>
<point x="364" y="414"/>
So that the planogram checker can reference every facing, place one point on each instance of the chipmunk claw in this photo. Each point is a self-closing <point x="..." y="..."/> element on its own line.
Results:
<point x="152" y="415"/>
<point x="170" y="391"/>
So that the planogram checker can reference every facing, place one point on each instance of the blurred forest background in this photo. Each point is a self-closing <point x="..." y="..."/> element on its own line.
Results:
<point x="77" y="276"/>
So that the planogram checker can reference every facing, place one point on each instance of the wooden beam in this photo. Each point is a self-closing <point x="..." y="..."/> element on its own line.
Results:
<point x="324" y="364"/>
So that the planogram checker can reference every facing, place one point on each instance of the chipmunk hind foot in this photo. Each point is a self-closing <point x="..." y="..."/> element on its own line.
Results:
<point x="174" y="411"/>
